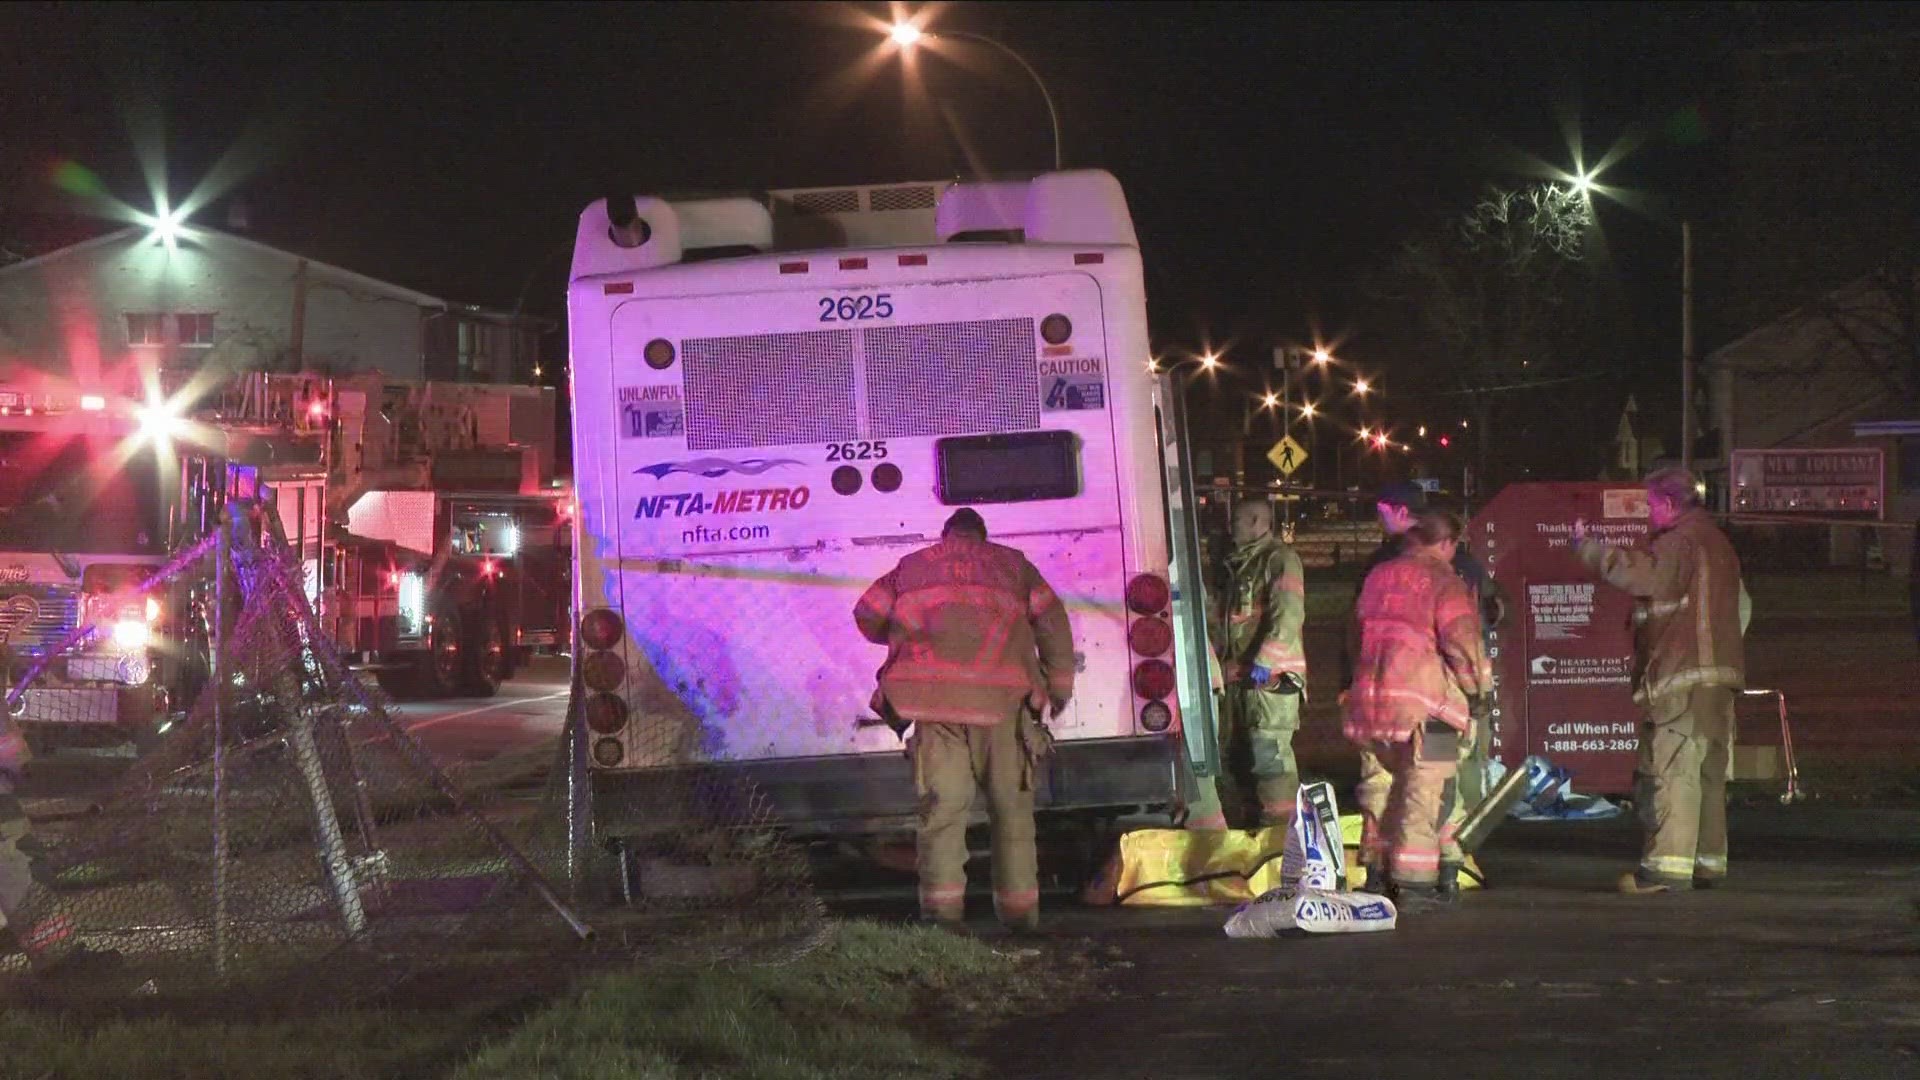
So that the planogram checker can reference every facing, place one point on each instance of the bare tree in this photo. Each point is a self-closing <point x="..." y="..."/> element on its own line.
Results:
<point x="1495" y="300"/>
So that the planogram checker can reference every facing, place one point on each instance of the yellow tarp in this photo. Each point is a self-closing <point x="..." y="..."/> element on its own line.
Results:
<point x="1149" y="857"/>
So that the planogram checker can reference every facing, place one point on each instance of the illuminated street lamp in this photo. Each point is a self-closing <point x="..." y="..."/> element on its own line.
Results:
<point x="906" y="36"/>
<point x="1362" y="387"/>
<point x="1269" y="400"/>
<point x="1322" y="356"/>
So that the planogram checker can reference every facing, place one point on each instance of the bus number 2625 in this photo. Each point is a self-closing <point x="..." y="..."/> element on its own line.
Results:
<point x="856" y="308"/>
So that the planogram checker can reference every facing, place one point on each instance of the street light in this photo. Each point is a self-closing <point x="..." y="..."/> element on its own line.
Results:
<point x="1362" y="387"/>
<point x="906" y="36"/>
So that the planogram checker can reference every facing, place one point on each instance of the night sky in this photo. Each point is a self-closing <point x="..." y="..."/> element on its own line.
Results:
<point x="1271" y="152"/>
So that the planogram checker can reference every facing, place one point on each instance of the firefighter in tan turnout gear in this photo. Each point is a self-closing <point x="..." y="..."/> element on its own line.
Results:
<point x="977" y="645"/>
<point x="1419" y="678"/>
<point x="1688" y="665"/>
<point x="50" y="939"/>
<point x="1260" y="608"/>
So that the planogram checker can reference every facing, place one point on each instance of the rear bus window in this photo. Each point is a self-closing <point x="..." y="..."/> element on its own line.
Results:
<point x="1026" y="467"/>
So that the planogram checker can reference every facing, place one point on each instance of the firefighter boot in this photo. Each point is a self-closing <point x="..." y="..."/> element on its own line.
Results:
<point x="1449" y="883"/>
<point x="1376" y="882"/>
<point x="1634" y="883"/>
<point x="1420" y="899"/>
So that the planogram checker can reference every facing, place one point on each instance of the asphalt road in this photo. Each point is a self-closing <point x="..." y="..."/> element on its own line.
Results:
<point x="1804" y="966"/>
<point x="527" y="711"/>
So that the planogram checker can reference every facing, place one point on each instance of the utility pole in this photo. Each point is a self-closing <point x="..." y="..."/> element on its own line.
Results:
<point x="1686" y="345"/>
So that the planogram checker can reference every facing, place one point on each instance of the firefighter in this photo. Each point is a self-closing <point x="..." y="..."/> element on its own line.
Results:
<point x="1257" y="624"/>
<point x="16" y="868"/>
<point x="1420" y="675"/>
<point x="1397" y="505"/>
<point x="977" y="644"/>
<point x="49" y="941"/>
<point x="1689" y="664"/>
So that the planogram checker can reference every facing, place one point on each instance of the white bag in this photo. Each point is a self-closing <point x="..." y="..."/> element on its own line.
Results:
<point x="1312" y="897"/>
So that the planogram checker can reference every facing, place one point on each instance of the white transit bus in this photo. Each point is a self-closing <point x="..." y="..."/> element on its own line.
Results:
<point x="775" y="399"/>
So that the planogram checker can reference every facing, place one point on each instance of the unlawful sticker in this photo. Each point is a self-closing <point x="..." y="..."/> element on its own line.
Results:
<point x="651" y="412"/>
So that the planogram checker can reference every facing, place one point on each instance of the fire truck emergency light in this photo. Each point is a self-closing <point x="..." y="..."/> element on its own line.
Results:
<point x="159" y="421"/>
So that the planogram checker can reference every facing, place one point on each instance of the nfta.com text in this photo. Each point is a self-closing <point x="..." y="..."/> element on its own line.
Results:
<point x="700" y="534"/>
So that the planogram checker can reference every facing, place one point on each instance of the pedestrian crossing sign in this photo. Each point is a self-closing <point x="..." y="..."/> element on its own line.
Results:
<point x="1287" y="455"/>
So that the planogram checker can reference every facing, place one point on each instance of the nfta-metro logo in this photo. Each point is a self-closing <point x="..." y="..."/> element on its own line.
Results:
<point x="698" y="503"/>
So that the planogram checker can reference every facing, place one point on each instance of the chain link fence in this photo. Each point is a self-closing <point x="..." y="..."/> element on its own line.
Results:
<point x="289" y="844"/>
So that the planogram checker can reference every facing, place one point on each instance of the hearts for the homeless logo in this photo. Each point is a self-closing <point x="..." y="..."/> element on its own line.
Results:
<point x="16" y="612"/>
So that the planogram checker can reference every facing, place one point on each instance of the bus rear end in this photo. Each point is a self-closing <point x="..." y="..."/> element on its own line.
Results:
<point x="758" y="438"/>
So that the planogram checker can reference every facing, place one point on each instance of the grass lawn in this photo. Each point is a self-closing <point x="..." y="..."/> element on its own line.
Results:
<point x="860" y="1006"/>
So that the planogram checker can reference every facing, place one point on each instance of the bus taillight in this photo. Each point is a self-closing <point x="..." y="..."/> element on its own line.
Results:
<point x="1147" y="594"/>
<point x="601" y="629"/>
<point x="1150" y="636"/>
<point x="1156" y="717"/>
<point x="608" y="752"/>
<point x="603" y="671"/>
<point x="1153" y="679"/>
<point x="606" y="714"/>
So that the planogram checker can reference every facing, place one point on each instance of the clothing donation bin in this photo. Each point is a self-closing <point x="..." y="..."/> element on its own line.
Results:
<point x="1563" y="659"/>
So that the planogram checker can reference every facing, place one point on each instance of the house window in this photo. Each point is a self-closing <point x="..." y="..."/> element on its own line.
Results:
<point x="146" y="328"/>
<point x="196" y="330"/>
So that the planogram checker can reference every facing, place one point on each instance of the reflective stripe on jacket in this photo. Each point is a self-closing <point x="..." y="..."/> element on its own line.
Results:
<point x="971" y="629"/>
<point x="1687" y="620"/>
<point x="1416" y="631"/>
<point x="1266" y="606"/>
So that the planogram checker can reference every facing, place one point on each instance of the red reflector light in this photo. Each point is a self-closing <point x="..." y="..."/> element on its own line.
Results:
<point x="793" y="268"/>
<point x="1150" y="636"/>
<point x="1147" y="594"/>
<point x="1056" y="350"/>
<point x="1084" y="258"/>
<point x="1152" y="679"/>
<point x="913" y="260"/>
<point x="607" y="714"/>
<point x="601" y="629"/>
<point x="853" y="264"/>
<point x="616" y="288"/>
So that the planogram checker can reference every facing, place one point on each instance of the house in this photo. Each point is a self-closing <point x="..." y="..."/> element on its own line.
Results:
<point x="101" y="312"/>
<point x="1841" y="373"/>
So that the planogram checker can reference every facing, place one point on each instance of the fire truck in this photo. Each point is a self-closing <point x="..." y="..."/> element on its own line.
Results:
<point x="83" y="524"/>
<point x="432" y="539"/>
<point x="424" y="516"/>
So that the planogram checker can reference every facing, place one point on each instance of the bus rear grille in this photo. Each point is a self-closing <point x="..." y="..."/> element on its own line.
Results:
<point x="959" y="378"/>
<point x="914" y="197"/>
<point x="842" y="201"/>
<point x="770" y="389"/>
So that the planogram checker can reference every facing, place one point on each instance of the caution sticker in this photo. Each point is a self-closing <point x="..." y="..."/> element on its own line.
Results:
<point x="1072" y="383"/>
